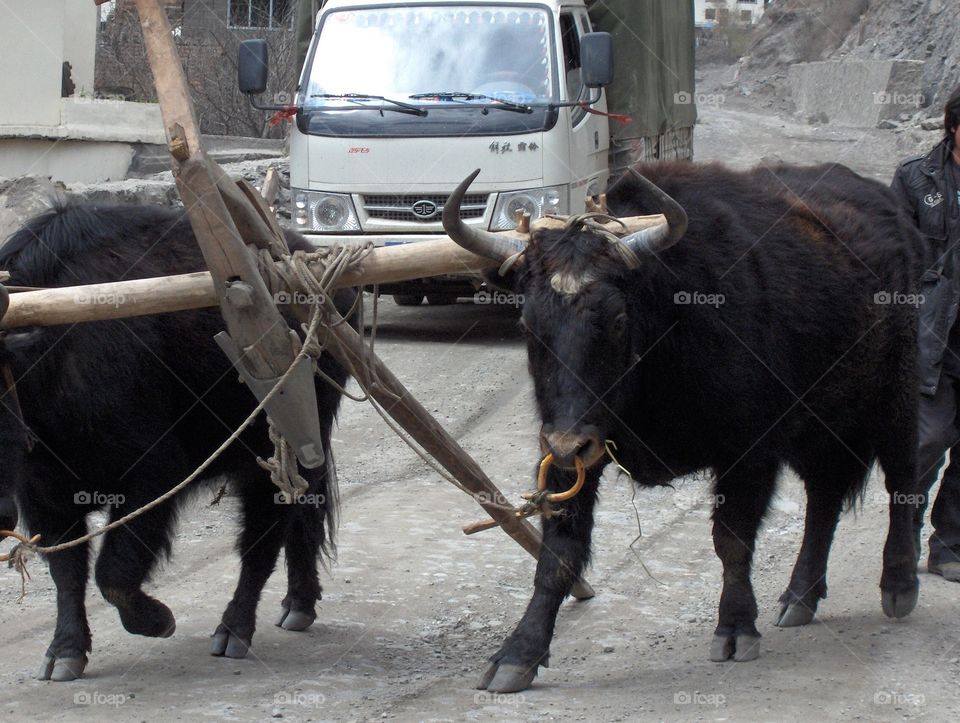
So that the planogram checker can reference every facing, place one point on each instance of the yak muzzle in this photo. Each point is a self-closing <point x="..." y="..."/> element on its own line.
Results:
<point x="565" y="445"/>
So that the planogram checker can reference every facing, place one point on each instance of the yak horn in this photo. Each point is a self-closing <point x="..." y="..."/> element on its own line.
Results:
<point x="490" y="245"/>
<point x="658" y="238"/>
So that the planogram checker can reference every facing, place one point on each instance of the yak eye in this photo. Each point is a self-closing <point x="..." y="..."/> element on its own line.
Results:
<point x="620" y="324"/>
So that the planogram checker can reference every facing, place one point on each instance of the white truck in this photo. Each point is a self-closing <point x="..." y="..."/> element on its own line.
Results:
<point x="398" y="102"/>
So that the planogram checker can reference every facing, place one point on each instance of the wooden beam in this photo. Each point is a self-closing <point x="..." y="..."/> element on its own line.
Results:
<point x="122" y="299"/>
<point x="139" y="297"/>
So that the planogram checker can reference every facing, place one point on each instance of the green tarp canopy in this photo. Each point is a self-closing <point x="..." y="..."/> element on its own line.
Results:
<point x="653" y="43"/>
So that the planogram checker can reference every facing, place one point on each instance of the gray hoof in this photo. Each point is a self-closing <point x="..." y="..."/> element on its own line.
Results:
<point x="229" y="646"/>
<point x="899" y="604"/>
<point x="747" y="648"/>
<point x="947" y="570"/>
<point x="741" y="648"/>
<point x="794" y="615"/>
<point x="295" y="619"/>
<point x="62" y="669"/>
<point x="721" y="648"/>
<point x="507" y="678"/>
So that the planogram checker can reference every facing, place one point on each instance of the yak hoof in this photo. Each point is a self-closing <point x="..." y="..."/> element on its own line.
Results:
<point x="62" y="669"/>
<point x="721" y="648"/>
<point x="140" y="614"/>
<point x="899" y="604"/>
<point x="741" y="648"/>
<point x="295" y="619"/>
<point x="227" y="645"/>
<point x="793" y="615"/>
<point x="507" y="678"/>
<point x="747" y="648"/>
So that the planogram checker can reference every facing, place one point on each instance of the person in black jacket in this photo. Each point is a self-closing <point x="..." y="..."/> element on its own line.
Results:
<point x="929" y="187"/>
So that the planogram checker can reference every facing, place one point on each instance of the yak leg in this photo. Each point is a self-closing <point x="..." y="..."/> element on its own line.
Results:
<point x="743" y="495"/>
<point x="265" y="520"/>
<point x="304" y="538"/>
<point x="808" y="583"/>
<point x="899" y="585"/>
<point x="129" y="555"/>
<point x="564" y="554"/>
<point x="66" y="656"/>
<point x="47" y="509"/>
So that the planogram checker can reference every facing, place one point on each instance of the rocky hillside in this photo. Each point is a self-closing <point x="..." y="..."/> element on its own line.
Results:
<point x="796" y="31"/>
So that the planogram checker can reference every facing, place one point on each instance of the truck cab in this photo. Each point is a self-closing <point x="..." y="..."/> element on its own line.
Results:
<point x="398" y="102"/>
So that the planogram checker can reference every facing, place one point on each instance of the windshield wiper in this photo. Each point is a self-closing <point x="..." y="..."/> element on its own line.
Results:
<point x="460" y="95"/>
<point x="395" y="105"/>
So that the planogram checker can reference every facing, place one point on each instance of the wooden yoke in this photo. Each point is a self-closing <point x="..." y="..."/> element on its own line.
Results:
<point x="258" y="341"/>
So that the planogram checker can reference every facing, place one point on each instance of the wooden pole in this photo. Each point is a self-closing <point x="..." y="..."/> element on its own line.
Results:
<point x="139" y="297"/>
<point x="122" y="299"/>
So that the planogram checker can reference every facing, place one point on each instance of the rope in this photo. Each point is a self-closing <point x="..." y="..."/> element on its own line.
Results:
<point x="282" y="467"/>
<point x="593" y="221"/>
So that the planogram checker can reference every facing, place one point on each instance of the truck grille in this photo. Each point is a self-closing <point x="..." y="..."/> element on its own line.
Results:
<point x="417" y="208"/>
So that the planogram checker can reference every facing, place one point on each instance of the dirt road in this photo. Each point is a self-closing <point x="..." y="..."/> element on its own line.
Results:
<point x="413" y="608"/>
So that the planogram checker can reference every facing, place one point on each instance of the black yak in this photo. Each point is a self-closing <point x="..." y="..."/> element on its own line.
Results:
<point x="771" y="321"/>
<point x="117" y="412"/>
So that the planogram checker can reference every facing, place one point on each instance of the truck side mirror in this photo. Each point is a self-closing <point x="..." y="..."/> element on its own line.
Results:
<point x="596" y="59"/>
<point x="252" y="65"/>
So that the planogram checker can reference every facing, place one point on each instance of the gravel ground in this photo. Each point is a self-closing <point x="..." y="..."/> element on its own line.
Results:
<point x="412" y="608"/>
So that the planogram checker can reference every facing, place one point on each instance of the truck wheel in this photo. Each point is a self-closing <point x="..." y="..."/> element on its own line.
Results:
<point x="407" y="299"/>
<point x="441" y="299"/>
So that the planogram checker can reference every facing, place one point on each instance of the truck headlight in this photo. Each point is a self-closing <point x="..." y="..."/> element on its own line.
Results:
<point x="324" y="212"/>
<point x="535" y="201"/>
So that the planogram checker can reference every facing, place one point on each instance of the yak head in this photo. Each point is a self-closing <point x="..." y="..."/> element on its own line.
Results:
<point x="574" y="277"/>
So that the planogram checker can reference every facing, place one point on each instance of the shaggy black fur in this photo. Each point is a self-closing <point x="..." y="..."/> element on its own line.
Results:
<point x="123" y="410"/>
<point x="778" y="331"/>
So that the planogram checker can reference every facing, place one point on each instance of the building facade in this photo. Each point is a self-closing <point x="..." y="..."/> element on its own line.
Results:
<point x="711" y="13"/>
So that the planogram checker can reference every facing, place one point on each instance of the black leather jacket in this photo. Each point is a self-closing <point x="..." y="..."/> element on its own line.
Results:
<point x="928" y="189"/>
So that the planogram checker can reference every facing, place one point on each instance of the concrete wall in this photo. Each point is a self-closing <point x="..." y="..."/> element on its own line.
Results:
<point x="31" y="55"/>
<point x="80" y="42"/>
<point x="68" y="161"/>
<point x="856" y="93"/>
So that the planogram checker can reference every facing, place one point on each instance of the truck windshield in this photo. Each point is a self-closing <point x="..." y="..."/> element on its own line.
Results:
<point x="456" y="57"/>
